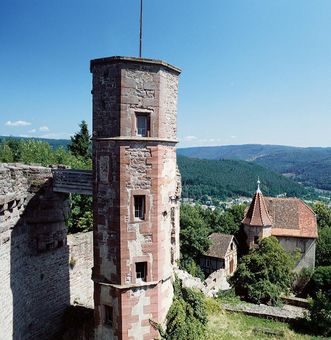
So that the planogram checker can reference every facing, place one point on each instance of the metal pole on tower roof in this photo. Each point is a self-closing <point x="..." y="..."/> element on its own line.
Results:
<point x="141" y="27"/>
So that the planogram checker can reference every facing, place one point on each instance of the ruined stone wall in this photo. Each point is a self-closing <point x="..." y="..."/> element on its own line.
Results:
<point x="42" y="271"/>
<point x="80" y="268"/>
<point x="33" y="253"/>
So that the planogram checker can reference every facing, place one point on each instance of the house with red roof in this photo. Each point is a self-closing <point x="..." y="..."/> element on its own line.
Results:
<point x="290" y="220"/>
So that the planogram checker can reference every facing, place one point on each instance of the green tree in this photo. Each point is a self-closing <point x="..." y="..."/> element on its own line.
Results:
<point x="323" y="247"/>
<point x="194" y="231"/>
<point x="6" y="154"/>
<point x="187" y="316"/>
<point x="265" y="273"/>
<point x="323" y="214"/>
<point x="320" y="313"/>
<point x="80" y="143"/>
<point x="321" y="279"/>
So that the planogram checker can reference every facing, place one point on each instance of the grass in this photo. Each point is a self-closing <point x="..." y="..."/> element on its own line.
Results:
<point x="227" y="326"/>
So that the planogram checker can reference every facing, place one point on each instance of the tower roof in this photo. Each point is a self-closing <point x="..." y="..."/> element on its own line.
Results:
<point x="257" y="214"/>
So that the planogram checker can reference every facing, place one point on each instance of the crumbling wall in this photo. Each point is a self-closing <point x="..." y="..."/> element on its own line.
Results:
<point x="80" y="268"/>
<point x="33" y="253"/>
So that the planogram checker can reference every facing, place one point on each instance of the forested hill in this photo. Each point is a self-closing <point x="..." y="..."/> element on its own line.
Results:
<point x="224" y="178"/>
<point x="54" y="143"/>
<point x="310" y="166"/>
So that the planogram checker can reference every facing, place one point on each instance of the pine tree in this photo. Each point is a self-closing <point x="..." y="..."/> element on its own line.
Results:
<point x="80" y="143"/>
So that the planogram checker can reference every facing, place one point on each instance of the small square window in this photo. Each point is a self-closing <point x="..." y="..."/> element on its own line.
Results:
<point x="139" y="207"/>
<point x="141" y="271"/>
<point x="143" y="124"/>
<point x="109" y="315"/>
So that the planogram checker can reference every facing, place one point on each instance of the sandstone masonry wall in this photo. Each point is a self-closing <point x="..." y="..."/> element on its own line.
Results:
<point x="36" y="282"/>
<point x="80" y="264"/>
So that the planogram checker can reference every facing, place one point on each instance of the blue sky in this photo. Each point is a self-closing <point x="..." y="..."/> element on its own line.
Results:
<point x="254" y="71"/>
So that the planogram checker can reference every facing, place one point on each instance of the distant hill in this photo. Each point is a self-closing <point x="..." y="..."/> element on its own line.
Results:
<point x="55" y="143"/>
<point x="224" y="178"/>
<point x="311" y="166"/>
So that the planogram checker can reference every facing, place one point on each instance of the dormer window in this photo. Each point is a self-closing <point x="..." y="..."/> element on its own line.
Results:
<point x="143" y="124"/>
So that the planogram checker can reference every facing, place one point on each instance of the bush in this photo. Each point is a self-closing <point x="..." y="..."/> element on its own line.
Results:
<point x="265" y="273"/>
<point x="321" y="280"/>
<point x="320" y="313"/>
<point x="187" y="316"/>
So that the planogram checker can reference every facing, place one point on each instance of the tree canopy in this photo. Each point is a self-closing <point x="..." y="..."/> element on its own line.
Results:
<point x="265" y="273"/>
<point x="80" y="143"/>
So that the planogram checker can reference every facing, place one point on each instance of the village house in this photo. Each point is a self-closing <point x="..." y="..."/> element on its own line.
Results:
<point x="290" y="220"/>
<point x="222" y="254"/>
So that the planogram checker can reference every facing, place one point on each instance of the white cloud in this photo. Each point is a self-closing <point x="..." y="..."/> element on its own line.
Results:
<point x="44" y="128"/>
<point x="233" y="137"/>
<point x="54" y="135"/>
<point x="17" y="123"/>
<point x="189" y="138"/>
<point x="33" y="130"/>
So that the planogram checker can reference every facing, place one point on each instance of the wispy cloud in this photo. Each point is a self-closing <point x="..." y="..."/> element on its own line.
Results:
<point x="189" y="138"/>
<point x="32" y="130"/>
<point x="44" y="128"/>
<point x="17" y="123"/>
<point x="54" y="135"/>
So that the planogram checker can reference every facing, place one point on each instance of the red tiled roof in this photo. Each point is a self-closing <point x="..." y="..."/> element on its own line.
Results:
<point x="257" y="214"/>
<point x="287" y="216"/>
<point x="291" y="217"/>
<point x="219" y="246"/>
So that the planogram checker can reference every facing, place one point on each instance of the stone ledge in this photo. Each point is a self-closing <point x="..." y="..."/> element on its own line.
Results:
<point x="133" y="60"/>
<point x="132" y="285"/>
<point x="136" y="139"/>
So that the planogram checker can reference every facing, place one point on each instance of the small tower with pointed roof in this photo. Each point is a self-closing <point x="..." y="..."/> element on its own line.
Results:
<point x="257" y="222"/>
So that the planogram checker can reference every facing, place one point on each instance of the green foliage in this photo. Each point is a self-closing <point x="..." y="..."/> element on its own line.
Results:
<point x="196" y="224"/>
<point x="320" y="313"/>
<point x="80" y="218"/>
<point x="225" y="178"/>
<point x="35" y="151"/>
<point x="323" y="246"/>
<point x="80" y="143"/>
<point x="228" y="296"/>
<point x="321" y="279"/>
<point x="265" y="273"/>
<point x="323" y="214"/>
<point x="187" y="316"/>
<point x="191" y="267"/>
<point x="194" y="231"/>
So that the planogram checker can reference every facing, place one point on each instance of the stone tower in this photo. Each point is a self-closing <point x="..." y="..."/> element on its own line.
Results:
<point x="257" y="221"/>
<point x="136" y="194"/>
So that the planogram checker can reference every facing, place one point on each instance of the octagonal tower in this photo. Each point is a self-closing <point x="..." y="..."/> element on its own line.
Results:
<point x="135" y="196"/>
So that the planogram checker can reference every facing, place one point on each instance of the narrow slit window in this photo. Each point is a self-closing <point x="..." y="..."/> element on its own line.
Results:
<point x="141" y="271"/>
<point x="139" y="207"/>
<point x="256" y="239"/>
<point x="143" y="124"/>
<point x="109" y="315"/>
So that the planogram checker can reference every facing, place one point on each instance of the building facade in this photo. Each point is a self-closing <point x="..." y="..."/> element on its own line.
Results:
<point x="222" y="254"/>
<point x="290" y="220"/>
<point x="136" y="194"/>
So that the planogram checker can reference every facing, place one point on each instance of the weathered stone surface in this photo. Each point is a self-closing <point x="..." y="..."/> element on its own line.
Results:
<point x="285" y="313"/>
<point x="37" y="283"/>
<point x="80" y="268"/>
<point x="127" y="165"/>
<point x="34" y="272"/>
